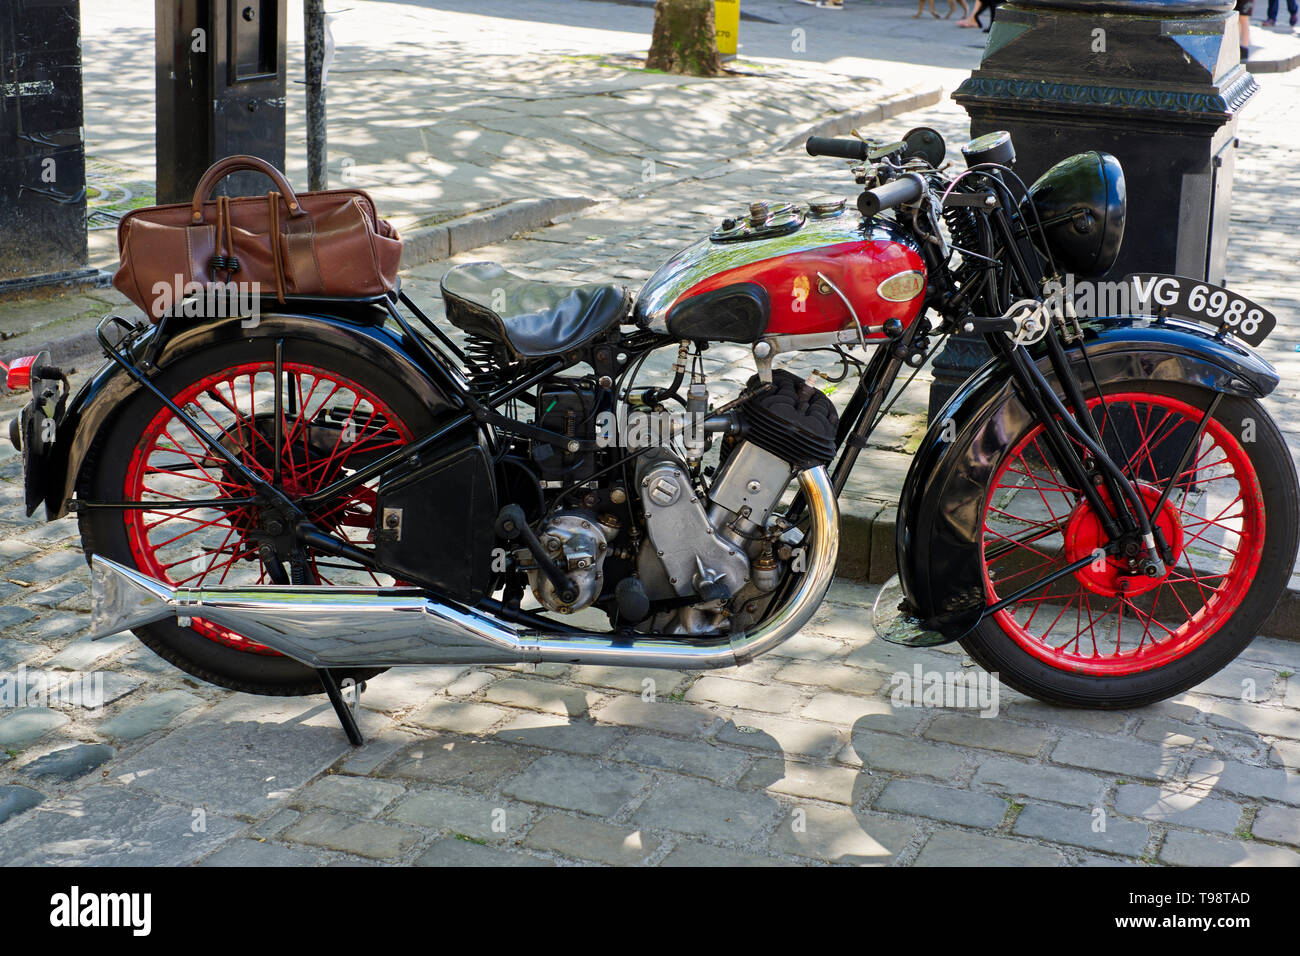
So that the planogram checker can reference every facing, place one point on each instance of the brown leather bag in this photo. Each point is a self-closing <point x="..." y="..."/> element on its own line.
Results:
<point x="327" y="243"/>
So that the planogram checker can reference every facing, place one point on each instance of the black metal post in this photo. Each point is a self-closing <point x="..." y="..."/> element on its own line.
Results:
<point x="1158" y="83"/>
<point x="220" y="81"/>
<point x="313" y="12"/>
<point x="42" y="156"/>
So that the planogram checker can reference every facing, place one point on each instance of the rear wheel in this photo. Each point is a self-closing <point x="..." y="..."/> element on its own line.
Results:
<point x="1104" y="636"/>
<point x="337" y="412"/>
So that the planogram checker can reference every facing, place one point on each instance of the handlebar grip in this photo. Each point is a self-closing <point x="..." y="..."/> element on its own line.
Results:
<point x="905" y="190"/>
<point x="844" y="148"/>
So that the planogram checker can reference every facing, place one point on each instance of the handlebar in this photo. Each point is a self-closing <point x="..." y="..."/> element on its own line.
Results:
<point x="843" y="148"/>
<point x="907" y="189"/>
<point x="903" y="190"/>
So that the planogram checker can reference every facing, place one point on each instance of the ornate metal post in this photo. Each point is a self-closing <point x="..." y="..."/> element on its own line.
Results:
<point x="1158" y="83"/>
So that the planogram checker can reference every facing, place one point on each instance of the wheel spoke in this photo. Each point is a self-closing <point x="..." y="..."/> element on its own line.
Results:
<point x="1119" y="621"/>
<point x="244" y="408"/>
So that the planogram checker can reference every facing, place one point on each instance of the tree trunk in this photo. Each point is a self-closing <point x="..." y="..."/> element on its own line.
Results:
<point x="684" y="40"/>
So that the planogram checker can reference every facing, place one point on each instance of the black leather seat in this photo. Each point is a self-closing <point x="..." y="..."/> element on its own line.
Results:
<point x="532" y="319"/>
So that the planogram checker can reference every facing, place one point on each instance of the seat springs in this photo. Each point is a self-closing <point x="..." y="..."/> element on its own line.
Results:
<point x="488" y="367"/>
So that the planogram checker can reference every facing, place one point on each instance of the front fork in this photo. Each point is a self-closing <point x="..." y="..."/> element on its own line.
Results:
<point x="1061" y="424"/>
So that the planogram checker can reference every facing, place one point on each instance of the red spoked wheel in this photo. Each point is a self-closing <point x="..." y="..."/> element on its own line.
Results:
<point x="336" y="408"/>
<point x="328" y="426"/>
<point x="1106" y="634"/>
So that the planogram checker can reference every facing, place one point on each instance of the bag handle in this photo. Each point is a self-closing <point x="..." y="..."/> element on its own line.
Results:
<point x="233" y="164"/>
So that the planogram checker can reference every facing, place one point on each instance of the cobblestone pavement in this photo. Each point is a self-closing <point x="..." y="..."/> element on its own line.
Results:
<point x="804" y="757"/>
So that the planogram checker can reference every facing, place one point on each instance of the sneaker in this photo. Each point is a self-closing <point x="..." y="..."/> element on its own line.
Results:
<point x="1293" y="18"/>
<point x="1269" y="23"/>
<point x="830" y="5"/>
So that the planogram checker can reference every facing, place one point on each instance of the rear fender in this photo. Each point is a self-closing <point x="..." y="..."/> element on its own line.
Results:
<point x="938" y="535"/>
<point x="93" y="406"/>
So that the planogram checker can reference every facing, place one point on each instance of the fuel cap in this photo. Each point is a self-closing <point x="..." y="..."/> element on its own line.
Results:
<point x="826" y="207"/>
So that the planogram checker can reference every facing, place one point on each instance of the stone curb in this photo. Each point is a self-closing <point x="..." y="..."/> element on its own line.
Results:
<point x="66" y="350"/>
<point x="910" y="99"/>
<point x="424" y="244"/>
<point x="420" y="245"/>
<point x="867" y="556"/>
<point x="1274" y="66"/>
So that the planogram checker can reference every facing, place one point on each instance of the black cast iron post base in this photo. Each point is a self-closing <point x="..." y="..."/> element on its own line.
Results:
<point x="1157" y="83"/>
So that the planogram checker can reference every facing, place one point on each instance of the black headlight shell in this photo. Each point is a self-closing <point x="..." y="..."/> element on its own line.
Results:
<point x="1081" y="203"/>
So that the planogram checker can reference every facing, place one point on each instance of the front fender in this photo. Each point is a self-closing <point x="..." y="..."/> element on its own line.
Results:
<point x="938" y="534"/>
<point x="98" y="399"/>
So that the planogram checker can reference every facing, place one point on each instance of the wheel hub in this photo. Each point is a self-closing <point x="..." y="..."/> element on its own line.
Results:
<point x="1113" y="574"/>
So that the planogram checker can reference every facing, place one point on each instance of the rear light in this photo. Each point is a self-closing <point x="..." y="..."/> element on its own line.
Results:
<point x="19" y="374"/>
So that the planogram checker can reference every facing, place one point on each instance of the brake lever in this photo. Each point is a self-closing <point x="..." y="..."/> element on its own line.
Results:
<point x="884" y="151"/>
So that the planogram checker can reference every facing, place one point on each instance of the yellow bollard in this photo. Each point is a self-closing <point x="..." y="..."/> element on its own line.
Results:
<point x="726" y="26"/>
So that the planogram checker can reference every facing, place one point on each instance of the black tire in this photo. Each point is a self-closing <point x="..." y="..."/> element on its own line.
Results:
<point x="103" y="477"/>
<point x="997" y="652"/>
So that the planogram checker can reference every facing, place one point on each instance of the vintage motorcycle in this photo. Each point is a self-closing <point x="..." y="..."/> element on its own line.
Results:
<point x="1103" y="514"/>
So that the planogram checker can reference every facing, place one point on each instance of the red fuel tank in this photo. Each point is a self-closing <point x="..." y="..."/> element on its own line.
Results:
<point x="787" y="270"/>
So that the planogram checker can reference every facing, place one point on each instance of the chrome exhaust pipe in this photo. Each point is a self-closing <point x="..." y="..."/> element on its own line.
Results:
<point x="328" y="627"/>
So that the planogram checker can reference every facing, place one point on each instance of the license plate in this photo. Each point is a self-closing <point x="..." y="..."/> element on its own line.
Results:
<point x="1203" y="302"/>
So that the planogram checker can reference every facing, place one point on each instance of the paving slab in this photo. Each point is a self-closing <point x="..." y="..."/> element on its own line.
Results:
<point x="1189" y="849"/>
<point x="841" y="836"/>
<point x="960" y="848"/>
<point x="334" y="831"/>
<point x="112" y="826"/>
<point x="251" y="755"/>
<point x="474" y="764"/>
<point x="576" y="783"/>
<point x="1185" y="808"/>
<point x="69" y="763"/>
<point x="699" y="758"/>
<point x="585" y="839"/>
<point x="457" y="852"/>
<point x="16" y="799"/>
<point x="476" y="817"/>
<point x="153" y="715"/>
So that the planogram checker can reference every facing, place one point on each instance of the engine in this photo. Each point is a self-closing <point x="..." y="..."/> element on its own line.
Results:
<point x="684" y="556"/>
<point x="711" y="559"/>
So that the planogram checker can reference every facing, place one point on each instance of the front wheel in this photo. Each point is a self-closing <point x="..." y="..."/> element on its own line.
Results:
<point x="1104" y="636"/>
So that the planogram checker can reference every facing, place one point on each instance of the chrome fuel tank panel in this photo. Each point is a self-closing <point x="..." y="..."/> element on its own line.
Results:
<point x="714" y="254"/>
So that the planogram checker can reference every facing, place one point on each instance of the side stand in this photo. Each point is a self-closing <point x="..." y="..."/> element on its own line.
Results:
<point x="341" y="709"/>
